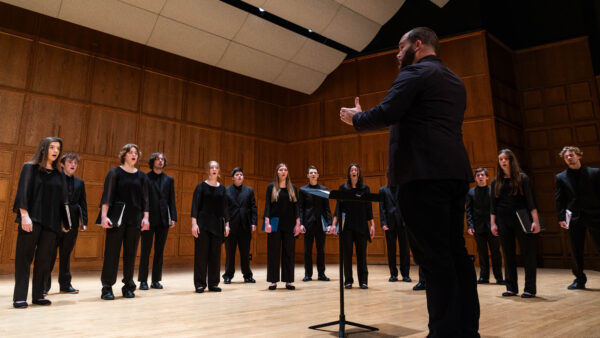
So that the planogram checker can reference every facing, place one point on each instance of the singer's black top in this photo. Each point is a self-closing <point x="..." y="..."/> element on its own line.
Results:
<point x="130" y="188"/>
<point x="209" y="207"/>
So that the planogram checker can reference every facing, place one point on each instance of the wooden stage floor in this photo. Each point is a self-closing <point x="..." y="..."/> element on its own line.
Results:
<point x="250" y="310"/>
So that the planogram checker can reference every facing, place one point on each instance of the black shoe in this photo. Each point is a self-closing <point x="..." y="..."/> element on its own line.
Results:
<point x="290" y="286"/>
<point x="483" y="281"/>
<point x="393" y="279"/>
<point x="127" y="292"/>
<point x="107" y="293"/>
<point x="200" y="289"/>
<point x="306" y="278"/>
<point x="527" y="295"/>
<point x="348" y="285"/>
<point x="406" y="279"/>
<point x="500" y="282"/>
<point x="419" y="286"/>
<point x="42" y="301"/>
<point x="324" y="278"/>
<point x="69" y="289"/>
<point x="143" y="286"/>
<point x="214" y="289"/>
<point x="364" y="286"/>
<point x="576" y="286"/>
<point x="508" y="294"/>
<point x="156" y="285"/>
<point x="249" y="280"/>
<point x="20" y="304"/>
<point x="272" y="287"/>
<point x="227" y="280"/>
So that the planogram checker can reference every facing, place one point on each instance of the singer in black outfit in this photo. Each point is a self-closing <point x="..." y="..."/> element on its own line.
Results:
<point x="511" y="191"/>
<point x="356" y="217"/>
<point x="392" y="224"/>
<point x="124" y="184"/>
<point x="281" y="201"/>
<point x="210" y="226"/>
<point x="313" y="210"/>
<point x="162" y="216"/>
<point x="428" y="162"/>
<point x="478" y="224"/>
<point x="41" y="198"/>
<point x="578" y="190"/>
<point x="242" y="222"/>
<point x="79" y="217"/>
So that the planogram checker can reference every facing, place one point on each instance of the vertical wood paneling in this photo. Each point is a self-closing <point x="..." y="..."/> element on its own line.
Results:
<point x="163" y="96"/>
<point x="14" y="60"/>
<point x="115" y="85"/>
<point x="11" y="107"/>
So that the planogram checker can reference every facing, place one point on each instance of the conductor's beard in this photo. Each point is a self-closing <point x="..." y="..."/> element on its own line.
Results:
<point x="408" y="58"/>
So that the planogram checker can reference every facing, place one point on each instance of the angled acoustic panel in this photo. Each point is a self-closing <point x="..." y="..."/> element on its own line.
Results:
<point x="46" y="7"/>
<point x="251" y="62"/>
<point x="318" y="57"/>
<point x="154" y="6"/>
<point x="299" y="78"/>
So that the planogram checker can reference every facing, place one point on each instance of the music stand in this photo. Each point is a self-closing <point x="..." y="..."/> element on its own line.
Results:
<point x="343" y="196"/>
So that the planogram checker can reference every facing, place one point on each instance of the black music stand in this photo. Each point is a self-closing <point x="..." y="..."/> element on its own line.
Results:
<point x="343" y="196"/>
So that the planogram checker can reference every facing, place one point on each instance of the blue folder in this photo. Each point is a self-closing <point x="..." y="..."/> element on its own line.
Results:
<point x="274" y="221"/>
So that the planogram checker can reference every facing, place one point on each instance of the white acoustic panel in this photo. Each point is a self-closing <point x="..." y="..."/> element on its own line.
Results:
<point x="351" y="29"/>
<point x="256" y="3"/>
<point x="213" y="16"/>
<point x="440" y="3"/>
<point x="319" y="57"/>
<point x="187" y="41"/>
<point x="110" y="16"/>
<point x="46" y="7"/>
<point x="154" y="6"/>
<point x="310" y="14"/>
<point x="380" y="11"/>
<point x="300" y="78"/>
<point x="250" y="62"/>
<point x="269" y="38"/>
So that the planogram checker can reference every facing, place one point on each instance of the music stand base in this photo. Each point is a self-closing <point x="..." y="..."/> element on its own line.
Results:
<point x="343" y="322"/>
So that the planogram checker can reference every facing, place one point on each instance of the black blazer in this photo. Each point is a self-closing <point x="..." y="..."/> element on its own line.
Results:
<point x="78" y="203"/>
<point x="161" y="196"/>
<point x="389" y="211"/>
<point x="312" y="207"/>
<point x="478" y="209"/>
<point x="584" y="204"/>
<point x="242" y="210"/>
<point x="425" y="109"/>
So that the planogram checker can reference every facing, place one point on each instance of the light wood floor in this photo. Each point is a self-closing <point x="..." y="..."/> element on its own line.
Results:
<point x="251" y="310"/>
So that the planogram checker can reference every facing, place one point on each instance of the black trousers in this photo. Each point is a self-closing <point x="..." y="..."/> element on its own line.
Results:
<point x="434" y="214"/>
<point x="207" y="259"/>
<point x="351" y="239"/>
<point x="314" y="233"/>
<point x="483" y="241"/>
<point x="509" y="229"/>
<point x="577" y="236"/>
<point x="398" y="234"/>
<point x="127" y="236"/>
<point x="281" y="248"/>
<point x="37" y="244"/>
<point x="65" y="243"/>
<point x="243" y="243"/>
<point x="158" y="234"/>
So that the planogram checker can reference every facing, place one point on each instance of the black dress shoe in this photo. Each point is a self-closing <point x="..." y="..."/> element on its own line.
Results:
<point x="306" y="279"/>
<point x="527" y="295"/>
<point x="69" y="289"/>
<point x="419" y="286"/>
<point x="393" y="279"/>
<point x="127" y="291"/>
<point x="500" y="282"/>
<point x="272" y="287"/>
<point x="143" y="286"/>
<point x="406" y="279"/>
<point x="200" y="289"/>
<point x="41" y="301"/>
<point x="249" y="280"/>
<point x="214" y="289"/>
<point x="20" y="304"/>
<point x="364" y="286"/>
<point x="156" y="285"/>
<point x="348" y="286"/>
<point x="227" y="280"/>
<point x="324" y="278"/>
<point x="107" y="293"/>
<point x="508" y="294"/>
<point x="483" y="281"/>
<point x="290" y="286"/>
<point x="576" y="286"/>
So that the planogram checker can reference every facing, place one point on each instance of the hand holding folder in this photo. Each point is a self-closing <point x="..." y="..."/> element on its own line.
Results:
<point x="274" y="222"/>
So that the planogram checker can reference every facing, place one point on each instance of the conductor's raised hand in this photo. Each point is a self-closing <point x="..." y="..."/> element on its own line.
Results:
<point x="346" y="114"/>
